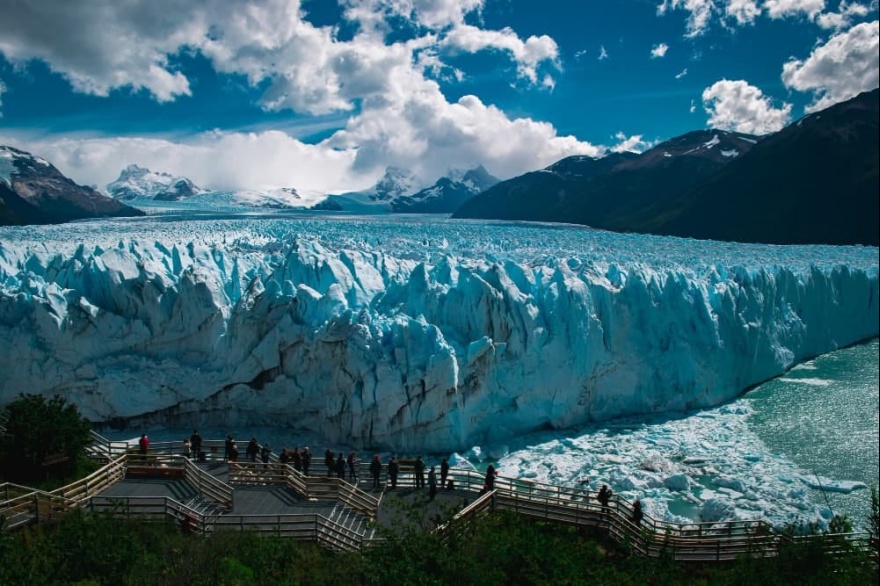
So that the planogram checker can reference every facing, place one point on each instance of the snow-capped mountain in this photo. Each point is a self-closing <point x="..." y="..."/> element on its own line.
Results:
<point x="447" y="194"/>
<point x="395" y="183"/>
<point x="400" y="191"/>
<point x="136" y="182"/>
<point x="33" y="191"/>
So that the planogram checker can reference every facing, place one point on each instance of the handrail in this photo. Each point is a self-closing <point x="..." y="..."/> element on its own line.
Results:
<point x="216" y="490"/>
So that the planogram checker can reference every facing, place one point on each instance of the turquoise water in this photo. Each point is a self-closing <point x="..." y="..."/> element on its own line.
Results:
<point x="823" y="416"/>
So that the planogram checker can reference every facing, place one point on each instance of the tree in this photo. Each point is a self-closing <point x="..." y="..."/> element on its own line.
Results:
<point x="36" y="429"/>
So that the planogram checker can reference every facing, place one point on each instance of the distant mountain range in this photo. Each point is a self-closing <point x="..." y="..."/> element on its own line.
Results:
<point x="399" y="191"/>
<point x="815" y="181"/>
<point x="136" y="182"/>
<point x="32" y="191"/>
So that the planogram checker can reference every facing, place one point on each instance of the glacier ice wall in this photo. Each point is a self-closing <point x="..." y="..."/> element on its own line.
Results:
<point x="409" y="335"/>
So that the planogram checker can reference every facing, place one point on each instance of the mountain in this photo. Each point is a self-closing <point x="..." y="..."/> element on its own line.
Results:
<point x="33" y="191"/>
<point x="400" y="191"/>
<point x="814" y="182"/>
<point x="614" y="191"/>
<point x="447" y="194"/>
<point x="136" y="182"/>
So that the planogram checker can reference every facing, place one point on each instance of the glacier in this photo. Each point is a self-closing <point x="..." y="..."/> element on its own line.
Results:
<point x="409" y="334"/>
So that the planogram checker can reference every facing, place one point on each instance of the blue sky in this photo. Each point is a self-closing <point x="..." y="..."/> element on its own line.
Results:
<point x="322" y="95"/>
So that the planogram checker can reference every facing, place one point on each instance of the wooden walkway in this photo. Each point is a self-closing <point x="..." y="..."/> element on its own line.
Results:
<point x="275" y="499"/>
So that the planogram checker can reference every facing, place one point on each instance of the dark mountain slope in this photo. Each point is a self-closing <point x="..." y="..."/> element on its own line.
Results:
<point x="33" y="191"/>
<point x="815" y="181"/>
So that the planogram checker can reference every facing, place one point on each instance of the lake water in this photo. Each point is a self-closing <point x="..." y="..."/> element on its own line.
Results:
<point x="823" y="416"/>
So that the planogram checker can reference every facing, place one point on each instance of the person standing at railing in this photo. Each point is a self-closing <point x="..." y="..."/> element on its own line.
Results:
<point x="352" y="466"/>
<point x="143" y="446"/>
<point x="637" y="514"/>
<point x="419" y="468"/>
<point x="227" y="447"/>
<point x="195" y="442"/>
<point x="340" y="466"/>
<point x="328" y="460"/>
<point x="393" y="471"/>
<point x="444" y="472"/>
<point x="376" y="471"/>
<point x="253" y="448"/>
<point x="604" y="496"/>
<point x="296" y="459"/>
<point x="432" y="483"/>
<point x="264" y="453"/>
<point x="187" y="450"/>
<point x="306" y="460"/>
<point x="489" y="484"/>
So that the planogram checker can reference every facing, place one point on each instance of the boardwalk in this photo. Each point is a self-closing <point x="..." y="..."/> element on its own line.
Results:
<point x="276" y="499"/>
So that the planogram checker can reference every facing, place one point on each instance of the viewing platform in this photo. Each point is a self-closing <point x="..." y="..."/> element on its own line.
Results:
<point x="348" y="515"/>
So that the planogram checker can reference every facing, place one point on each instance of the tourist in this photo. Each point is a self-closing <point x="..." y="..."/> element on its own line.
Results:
<point x="187" y="451"/>
<point x="143" y="446"/>
<point x="432" y="483"/>
<point x="264" y="453"/>
<point x="227" y="447"/>
<point x="328" y="460"/>
<point x="444" y="472"/>
<point x="489" y="484"/>
<point x="195" y="441"/>
<point x="253" y="448"/>
<point x="637" y="514"/>
<point x="296" y="459"/>
<point x="340" y="466"/>
<point x="306" y="460"/>
<point x="604" y="496"/>
<point x="376" y="471"/>
<point x="419" y="468"/>
<point x="393" y="471"/>
<point x="352" y="465"/>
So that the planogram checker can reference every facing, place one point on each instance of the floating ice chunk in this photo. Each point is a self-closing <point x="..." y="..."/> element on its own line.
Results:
<point x="813" y="382"/>
<point x="717" y="509"/>
<point x="678" y="482"/>
<point x="752" y="457"/>
<point x="829" y="485"/>
<point x="733" y="494"/>
<point x="730" y="483"/>
<point x="475" y="454"/>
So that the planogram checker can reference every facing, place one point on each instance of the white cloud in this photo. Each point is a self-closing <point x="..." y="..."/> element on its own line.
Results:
<point x="659" y="51"/>
<point x="740" y="107"/>
<point x="846" y="13"/>
<point x="845" y="66"/>
<point x="681" y="73"/>
<point x="528" y="54"/>
<point x="693" y="107"/>
<point x="603" y="54"/>
<point x="742" y="11"/>
<point x="701" y="14"/>
<point x="301" y="67"/>
<point x="789" y="8"/>
<point x="632" y="144"/>
<point x="580" y="54"/>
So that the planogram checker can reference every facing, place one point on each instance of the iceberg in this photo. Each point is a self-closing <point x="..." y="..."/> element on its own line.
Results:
<point x="416" y="334"/>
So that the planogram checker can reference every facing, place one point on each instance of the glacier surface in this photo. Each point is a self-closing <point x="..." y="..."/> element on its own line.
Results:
<point x="410" y="333"/>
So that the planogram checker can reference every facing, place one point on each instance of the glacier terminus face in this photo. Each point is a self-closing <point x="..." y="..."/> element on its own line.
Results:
<point x="416" y="333"/>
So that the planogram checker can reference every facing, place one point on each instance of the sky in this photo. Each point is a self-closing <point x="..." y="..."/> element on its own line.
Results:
<point x="323" y="95"/>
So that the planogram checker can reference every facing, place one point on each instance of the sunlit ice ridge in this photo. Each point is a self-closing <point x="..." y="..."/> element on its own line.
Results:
<point x="409" y="334"/>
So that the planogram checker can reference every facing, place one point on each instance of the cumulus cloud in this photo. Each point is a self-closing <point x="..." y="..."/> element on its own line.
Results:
<point x="843" y="67"/>
<point x="603" y="54"/>
<point x="527" y="54"/>
<point x="740" y="107"/>
<point x="846" y="13"/>
<point x="659" y="50"/>
<point x="788" y="8"/>
<point x="701" y="14"/>
<point x="632" y="144"/>
<point x="299" y="66"/>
